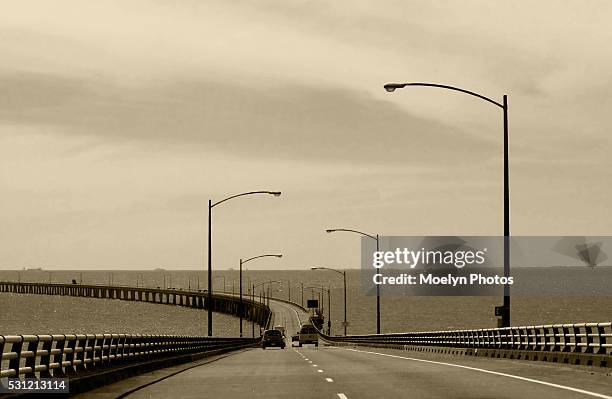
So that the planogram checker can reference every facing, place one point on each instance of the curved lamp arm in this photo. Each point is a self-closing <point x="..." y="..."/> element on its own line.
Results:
<point x="274" y="193"/>
<point x="353" y="231"/>
<point x="326" y="268"/>
<point x="390" y="87"/>
<point x="317" y="288"/>
<point x="263" y="256"/>
<point x="267" y="282"/>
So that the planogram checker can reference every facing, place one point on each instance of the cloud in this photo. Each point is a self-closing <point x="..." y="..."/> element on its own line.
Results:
<point x="279" y="120"/>
<point x="118" y="119"/>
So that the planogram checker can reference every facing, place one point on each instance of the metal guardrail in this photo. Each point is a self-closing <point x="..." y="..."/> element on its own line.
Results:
<point x="580" y="338"/>
<point x="588" y="338"/>
<point x="43" y="356"/>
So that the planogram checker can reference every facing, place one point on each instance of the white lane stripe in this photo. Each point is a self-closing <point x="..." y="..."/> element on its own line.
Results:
<point x="319" y="371"/>
<point x="314" y="365"/>
<point x="292" y="308"/>
<point x="329" y="380"/>
<point x="582" y="391"/>
<point x="342" y="396"/>
<point x="297" y="316"/>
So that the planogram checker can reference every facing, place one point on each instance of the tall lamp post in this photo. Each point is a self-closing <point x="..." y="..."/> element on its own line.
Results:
<point x="263" y="283"/>
<point x="223" y="279"/>
<point x="375" y="238"/>
<point x="343" y="272"/>
<point x="328" y="290"/>
<point x="211" y="205"/>
<point x="390" y="87"/>
<point x="242" y="262"/>
<point x="268" y="295"/>
<point x="302" y="291"/>
<point x="253" y="299"/>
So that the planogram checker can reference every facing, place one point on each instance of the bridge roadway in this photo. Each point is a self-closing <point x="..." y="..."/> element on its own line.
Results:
<point x="360" y="372"/>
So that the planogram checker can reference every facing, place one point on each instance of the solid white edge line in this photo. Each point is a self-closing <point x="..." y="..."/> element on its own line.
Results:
<point x="342" y="396"/>
<point x="582" y="391"/>
<point x="292" y="308"/>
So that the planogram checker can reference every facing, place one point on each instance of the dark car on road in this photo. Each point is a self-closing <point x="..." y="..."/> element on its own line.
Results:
<point x="273" y="338"/>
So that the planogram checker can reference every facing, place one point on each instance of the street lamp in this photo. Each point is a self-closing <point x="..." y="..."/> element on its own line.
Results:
<point x="241" y="263"/>
<point x="263" y="300"/>
<point x="302" y="291"/>
<point x="222" y="278"/>
<point x="343" y="272"/>
<point x="328" y="290"/>
<point x="253" y="300"/>
<point x="269" y="282"/>
<point x="391" y="87"/>
<point x="170" y="279"/>
<point x="210" y="206"/>
<point x="375" y="238"/>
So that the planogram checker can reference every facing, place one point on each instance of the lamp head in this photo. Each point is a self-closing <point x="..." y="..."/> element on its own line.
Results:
<point x="390" y="87"/>
<point x="313" y="268"/>
<point x="275" y="193"/>
<point x="330" y="230"/>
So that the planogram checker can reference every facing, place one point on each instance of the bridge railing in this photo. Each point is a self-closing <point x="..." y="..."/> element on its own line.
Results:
<point x="221" y="302"/>
<point x="578" y="338"/>
<point x="43" y="356"/>
<point x="588" y="338"/>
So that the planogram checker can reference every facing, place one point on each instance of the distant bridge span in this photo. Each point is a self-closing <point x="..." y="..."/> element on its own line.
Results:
<point x="229" y="304"/>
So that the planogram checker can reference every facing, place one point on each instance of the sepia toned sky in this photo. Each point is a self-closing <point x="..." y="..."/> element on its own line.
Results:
<point x="119" y="120"/>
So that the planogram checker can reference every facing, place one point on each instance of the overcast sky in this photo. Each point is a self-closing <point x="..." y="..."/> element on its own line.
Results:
<point x="119" y="120"/>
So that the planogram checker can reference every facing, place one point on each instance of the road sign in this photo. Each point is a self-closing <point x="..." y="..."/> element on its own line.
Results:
<point x="499" y="311"/>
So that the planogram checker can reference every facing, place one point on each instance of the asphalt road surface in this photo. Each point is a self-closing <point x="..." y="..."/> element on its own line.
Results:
<point x="361" y="372"/>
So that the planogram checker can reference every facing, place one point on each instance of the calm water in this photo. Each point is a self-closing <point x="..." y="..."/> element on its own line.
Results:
<point x="41" y="314"/>
<point x="32" y="313"/>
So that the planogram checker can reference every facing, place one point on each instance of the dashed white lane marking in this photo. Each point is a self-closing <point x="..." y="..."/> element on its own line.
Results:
<point x="314" y="365"/>
<point x="342" y="396"/>
<point x="329" y="380"/>
<point x="582" y="391"/>
<point x="319" y="371"/>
